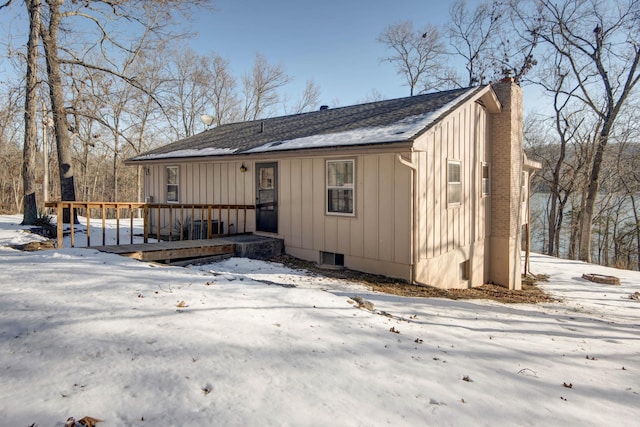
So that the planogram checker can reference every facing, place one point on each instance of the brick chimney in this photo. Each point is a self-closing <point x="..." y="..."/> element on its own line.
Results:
<point x="506" y="186"/>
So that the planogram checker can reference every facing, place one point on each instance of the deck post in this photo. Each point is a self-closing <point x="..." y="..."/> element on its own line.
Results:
<point x="59" y="213"/>
<point x="104" y="224"/>
<point x="145" y="215"/>
<point x="158" y="225"/>
<point x="193" y="217"/>
<point x="131" y="223"/>
<point x="88" y="226"/>
<point x="206" y="212"/>
<point x="72" y="216"/>
<point x="171" y="224"/>
<point x="182" y="222"/>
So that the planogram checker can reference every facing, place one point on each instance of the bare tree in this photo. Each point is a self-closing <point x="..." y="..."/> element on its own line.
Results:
<point x="144" y="110"/>
<point x="223" y="93"/>
<point x="30" y="210"/>
<point x="373" y="96"/>
<point x="514" y="54"/>
<point x="418" y="55"/>
<point x="29" y="206"/>
<point x="598" y="42"/>
<point x="49" y="35"/>
<point x="103" y="18"/>
<point x="475" y="36"/>
<point x="11" y="141"/>
<point x="309" y="99"/>
<point x="188" y="84"/>
<point x="260" y="87"/>
<point x="566" y="165"/>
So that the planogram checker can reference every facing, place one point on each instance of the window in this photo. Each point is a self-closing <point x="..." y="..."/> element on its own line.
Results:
<point x="454" y="182"/>
<point x="340" y="188"/>
<point x="486" y="184"/>
<point x="172" y="184"/>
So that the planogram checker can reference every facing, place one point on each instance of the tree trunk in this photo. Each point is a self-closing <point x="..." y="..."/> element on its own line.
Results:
<point x="574" y="238"/>
<point x="30" y="209"/>
<point x="61" y="125"/>
<point x="636" y="218"/>
<point x="551" y="222"/>
<point x="116" y="152"/>
<point x="586" y="222"/>
<point x="559" y="220"/>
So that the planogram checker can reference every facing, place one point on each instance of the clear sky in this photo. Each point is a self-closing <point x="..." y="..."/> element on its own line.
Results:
<point x="332" y="42"/>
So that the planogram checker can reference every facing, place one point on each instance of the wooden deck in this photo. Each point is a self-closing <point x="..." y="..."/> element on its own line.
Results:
<point x="172" y="251"/>
<point x="179" y="252"/>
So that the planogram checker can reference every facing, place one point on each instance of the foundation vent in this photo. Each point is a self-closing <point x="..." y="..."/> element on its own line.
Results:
<point x="330" y="258"/>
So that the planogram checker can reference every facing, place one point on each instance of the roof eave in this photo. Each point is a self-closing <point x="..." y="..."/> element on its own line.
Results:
<point x="306" y="152"/>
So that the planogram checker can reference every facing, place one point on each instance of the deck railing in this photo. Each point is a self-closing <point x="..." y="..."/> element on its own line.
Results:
<point x="162" y="221"/>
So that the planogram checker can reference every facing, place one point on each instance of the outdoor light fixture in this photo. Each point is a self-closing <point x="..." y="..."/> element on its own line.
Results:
<point x="243" y="168"/>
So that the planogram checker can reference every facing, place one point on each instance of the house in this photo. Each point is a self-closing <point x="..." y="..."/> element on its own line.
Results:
<point x="430" y="189"/>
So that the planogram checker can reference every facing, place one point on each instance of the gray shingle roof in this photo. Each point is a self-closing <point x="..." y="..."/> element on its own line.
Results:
<point x="389" y="121"/>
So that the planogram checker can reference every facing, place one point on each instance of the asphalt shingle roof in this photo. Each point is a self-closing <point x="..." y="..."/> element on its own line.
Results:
<point x="388" y="121"/>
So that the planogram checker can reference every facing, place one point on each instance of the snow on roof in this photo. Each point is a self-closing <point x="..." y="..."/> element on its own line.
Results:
<point x="402" y="130"/>
<point x="388" y="121"/>
<point x="208" y="151"/>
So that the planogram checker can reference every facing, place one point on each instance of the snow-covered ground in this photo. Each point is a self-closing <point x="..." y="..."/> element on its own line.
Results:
<point x="251" y="343"/>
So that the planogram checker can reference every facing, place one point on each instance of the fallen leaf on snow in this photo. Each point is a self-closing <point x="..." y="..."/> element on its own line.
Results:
<point x="363" y="303"/>
<point x="84" y="421"/>
<point x="89" y="421"/>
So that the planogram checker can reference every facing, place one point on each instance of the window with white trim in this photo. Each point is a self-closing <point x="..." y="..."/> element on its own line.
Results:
<point x="486" y="184"/>
<point x="454" y="182"/>
<point x="340" y="187"/>
<point x="172" y="184"/>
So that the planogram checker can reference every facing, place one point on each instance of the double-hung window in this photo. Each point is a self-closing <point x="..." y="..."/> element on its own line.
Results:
<point x="172" y="184"/>
<point x="454" y="182"/>
<point x="340" y="187"/>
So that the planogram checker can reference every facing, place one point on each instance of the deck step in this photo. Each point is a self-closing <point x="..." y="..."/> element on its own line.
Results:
<point x="175" y="252"/>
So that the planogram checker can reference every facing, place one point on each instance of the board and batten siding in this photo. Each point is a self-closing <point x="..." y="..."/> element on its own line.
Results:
<point x="376" y="239"/>
<point x="449" y="236"/>
<point x="204" y="183"/>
